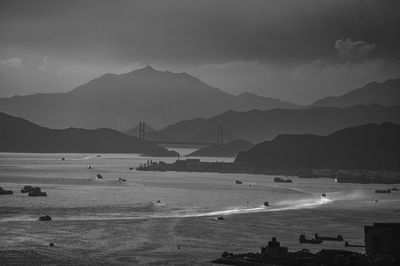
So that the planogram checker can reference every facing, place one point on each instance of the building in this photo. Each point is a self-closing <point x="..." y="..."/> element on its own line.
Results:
<point x="382" y="241"/>
<point x="274" y="250"/>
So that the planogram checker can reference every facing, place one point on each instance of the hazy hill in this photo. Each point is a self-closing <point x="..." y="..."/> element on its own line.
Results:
<point x="150" y="133"/>
<point x="230" y="149"/>
<point x="134" y="132"/>
<point x="120" y="101"/>
<point x="20" y="135"/>
<point x="256" y="126"/>
<point x="369" y="147"/>
<point x="386" y="93"/>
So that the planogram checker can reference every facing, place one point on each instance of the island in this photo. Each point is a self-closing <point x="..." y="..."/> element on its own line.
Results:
<point x="20" y="135"/>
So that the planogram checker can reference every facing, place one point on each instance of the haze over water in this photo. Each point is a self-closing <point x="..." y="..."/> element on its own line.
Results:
<point x="108" y="221"/>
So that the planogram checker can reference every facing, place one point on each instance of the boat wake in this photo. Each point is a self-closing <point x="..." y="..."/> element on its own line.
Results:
<point x="284" y="206"/>
<point x="279" y="206"/>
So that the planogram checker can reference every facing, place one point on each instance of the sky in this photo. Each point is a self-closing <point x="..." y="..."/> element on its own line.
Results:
<point x="297" y="50"/>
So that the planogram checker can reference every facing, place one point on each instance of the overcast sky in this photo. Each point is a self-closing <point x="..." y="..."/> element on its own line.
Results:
<point x="297" y="50"/>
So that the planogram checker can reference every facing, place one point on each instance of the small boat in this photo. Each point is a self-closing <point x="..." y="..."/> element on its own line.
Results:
<point x="281" y="180"/>
<point x="304" y="240"/>
<point x="26" y="189"/>
<point x="62" y="159"/>
<point x="98" y="155"/>
<point x="323" y="195"/>
<point x="266" y="204"/>
<point x="99" y="176"/>
<point x="395" y="189"/>
<point x="327" y="238"/>
<point x="45" y="218"/>
<point x="347" y="244"/>
<point x="383" y="190"/>
<point x="5" y="192"/>
<point x="238" y="182"/>
<point x="375" y="201"/>
<point x="89" y="167"/>
<point x="37" y="192"/>
<point x="121" y="179"/>
<point x="220" y="218"/>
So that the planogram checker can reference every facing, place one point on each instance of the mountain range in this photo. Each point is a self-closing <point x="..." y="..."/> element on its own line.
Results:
<point x="386" y="93"/>
<point x="20" y="135"/>
<point x="120" y="101"/>
<point x="188" y="109"/>
<point x="256" y="126"/>
<point x="368" y="147"/>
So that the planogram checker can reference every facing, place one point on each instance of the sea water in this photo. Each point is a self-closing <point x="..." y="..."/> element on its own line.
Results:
<point x="169" y="217"/>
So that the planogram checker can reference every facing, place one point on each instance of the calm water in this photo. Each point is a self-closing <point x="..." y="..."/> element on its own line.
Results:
<point x="112" y="222"/>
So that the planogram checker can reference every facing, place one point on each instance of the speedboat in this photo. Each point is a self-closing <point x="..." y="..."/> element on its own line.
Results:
<point x="266" y="204"/>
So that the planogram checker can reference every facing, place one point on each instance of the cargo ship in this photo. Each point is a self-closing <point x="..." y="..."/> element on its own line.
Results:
<point x="328" y="238"/>
<point x="383" y="191"/>
<point x="5" y="192"/>
<point x="304" y="240"/>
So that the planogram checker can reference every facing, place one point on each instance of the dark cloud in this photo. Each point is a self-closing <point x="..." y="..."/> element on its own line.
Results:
<point x="98" y="36"/>
<point x="194" y="31"/>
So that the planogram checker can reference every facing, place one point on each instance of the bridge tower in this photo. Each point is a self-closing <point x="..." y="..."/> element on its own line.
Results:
<point x="141" y="130"/>
<point x="220" y="133"/>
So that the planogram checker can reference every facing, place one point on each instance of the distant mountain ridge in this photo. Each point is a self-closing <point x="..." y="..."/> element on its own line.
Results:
<point x="20" y="135"/>
<point x="257" y="126"/>
<point x="386" y="93"/>
<point x="120" y="101"/>
<point x="230" y="149"/>
<point x="366" y="147"/>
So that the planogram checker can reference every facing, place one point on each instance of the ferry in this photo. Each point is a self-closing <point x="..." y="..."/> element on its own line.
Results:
<point x="26" y="189"/>
<point x="37" y="192"/>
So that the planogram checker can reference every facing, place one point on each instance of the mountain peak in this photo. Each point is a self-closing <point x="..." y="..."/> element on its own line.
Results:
<point x="146" y="69"/>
